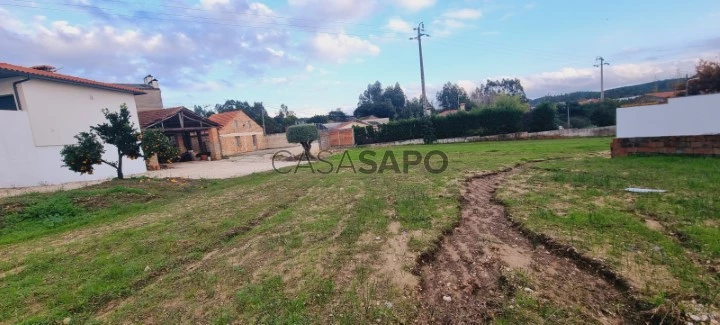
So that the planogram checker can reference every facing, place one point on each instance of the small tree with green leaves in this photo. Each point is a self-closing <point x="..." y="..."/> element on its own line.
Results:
<point x="304" y="135"/>
<point x="118" y="131"/>
<point x="156" y="143"/>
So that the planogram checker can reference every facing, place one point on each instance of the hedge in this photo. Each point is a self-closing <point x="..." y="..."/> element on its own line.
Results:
<point x="462" y="124"/>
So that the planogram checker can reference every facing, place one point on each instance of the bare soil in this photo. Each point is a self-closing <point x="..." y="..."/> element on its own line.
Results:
<point x="467" y="280"/>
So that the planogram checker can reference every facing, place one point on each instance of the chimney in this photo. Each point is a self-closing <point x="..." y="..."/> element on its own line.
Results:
<point x="154" y="83"/>
<point x="148" y="79"/>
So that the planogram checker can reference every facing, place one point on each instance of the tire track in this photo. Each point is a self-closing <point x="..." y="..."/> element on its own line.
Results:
<point x="465" y="280"/>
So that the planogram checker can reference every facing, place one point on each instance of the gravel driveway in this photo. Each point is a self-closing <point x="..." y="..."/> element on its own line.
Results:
<point x="246" y="164"/>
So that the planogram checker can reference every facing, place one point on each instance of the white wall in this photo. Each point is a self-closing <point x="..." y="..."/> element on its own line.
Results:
<point x="31" y="140"/>
<point x="694" y="115"/>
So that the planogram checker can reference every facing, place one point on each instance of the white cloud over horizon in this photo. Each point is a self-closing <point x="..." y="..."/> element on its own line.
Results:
<point x="339" y="48"/>
<point x="415" y="5"/>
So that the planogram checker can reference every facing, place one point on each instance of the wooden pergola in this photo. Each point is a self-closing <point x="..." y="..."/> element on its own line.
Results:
<point x="181" y="124"/>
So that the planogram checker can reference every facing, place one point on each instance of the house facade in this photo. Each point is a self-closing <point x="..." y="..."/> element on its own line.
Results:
<point x="41" y="111"/>
<point x="238" y="133"/>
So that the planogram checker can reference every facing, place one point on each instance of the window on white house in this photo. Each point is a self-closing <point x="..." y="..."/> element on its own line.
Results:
<point x="7" y="103"/>
<point x="237" y="141"/>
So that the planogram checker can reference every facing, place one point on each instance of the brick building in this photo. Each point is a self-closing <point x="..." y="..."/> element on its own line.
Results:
<point x="238" y="133"/>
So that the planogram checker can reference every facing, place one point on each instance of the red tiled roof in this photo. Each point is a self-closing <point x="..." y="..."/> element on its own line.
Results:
<point x="224" y="118"/>
<point x="30" y="72"/>
<point x="448" y="112"/>
<point x="149" y="117"/>
<point x="664" y="94"/>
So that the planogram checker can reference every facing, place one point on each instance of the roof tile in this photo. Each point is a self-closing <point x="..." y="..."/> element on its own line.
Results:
<point x="62" y="77"/>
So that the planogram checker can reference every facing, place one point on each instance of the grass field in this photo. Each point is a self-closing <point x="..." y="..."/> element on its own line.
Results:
<point x="667" y="245"/>
<point x="317" y="248"/>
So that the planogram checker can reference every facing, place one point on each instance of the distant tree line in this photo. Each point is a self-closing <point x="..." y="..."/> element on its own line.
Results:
<point x="621" y="92"/>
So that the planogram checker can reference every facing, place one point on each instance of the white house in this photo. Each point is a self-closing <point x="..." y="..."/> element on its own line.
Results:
<point x="41" y="111"/>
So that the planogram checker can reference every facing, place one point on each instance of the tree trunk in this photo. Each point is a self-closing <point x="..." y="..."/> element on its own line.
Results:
<point x="306" y="146"/>
<point x="119" y="166"/>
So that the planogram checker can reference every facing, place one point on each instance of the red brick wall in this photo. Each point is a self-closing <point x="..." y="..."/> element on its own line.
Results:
<point x="342" y="138"/>
<point x="696" y="145"/>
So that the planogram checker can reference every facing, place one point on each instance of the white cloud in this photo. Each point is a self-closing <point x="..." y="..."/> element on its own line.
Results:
<point x="453" y="20"/>
<point x="309" y="68"/>
<point x="415" y="4"/>
<point x="529" y="6"/>
<point x="340" y="47"/>
<point x="274" y="52"/>
<point x="634" y="71"/>
<point x="178" y="52"/>
<point x="463" y="14"/>
<point x="209" y="4"/>
<point x="399" y="25"/>
<point x="332" y="10"/>
<point x="571" y="79"/>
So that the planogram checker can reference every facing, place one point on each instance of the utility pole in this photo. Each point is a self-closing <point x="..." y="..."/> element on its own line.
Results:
<point x="420" y="29"/>
<point x="262" y="113"/>
<point x="602" y="77"/>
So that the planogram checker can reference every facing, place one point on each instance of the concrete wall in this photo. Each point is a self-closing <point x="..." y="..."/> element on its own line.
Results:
<point x="59" y="111"/>
<point x="555" y="134"/>
<point x="151" y="100"/>
<point x="31" y="140"/>
<point x="278" y="140"/>
<point x="694" y="115"/>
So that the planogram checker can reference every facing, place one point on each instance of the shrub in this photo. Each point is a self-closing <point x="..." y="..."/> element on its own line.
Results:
<point x="603" y="116"/>
<point x="542" y="118"/>
<point x="428" y="130"/>
<point x="303" y="134"/>
<point x="580" y="122"/>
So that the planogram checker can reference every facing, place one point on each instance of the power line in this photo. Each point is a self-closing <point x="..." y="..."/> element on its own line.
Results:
<point x="254" y="14"/>
<point x="203" y="20"/>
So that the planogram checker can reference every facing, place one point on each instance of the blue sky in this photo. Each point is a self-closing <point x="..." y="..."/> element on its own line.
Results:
<point x="315" y="56"/>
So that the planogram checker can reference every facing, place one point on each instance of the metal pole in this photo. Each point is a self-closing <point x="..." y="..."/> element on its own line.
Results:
<point x="567" y="106"/>
<point x="602" y="82"/>
<point x="602" y="76"/>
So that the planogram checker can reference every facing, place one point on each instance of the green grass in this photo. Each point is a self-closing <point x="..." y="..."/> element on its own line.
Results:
<point x="666" y="244"/>
<point x="269" y="248"/>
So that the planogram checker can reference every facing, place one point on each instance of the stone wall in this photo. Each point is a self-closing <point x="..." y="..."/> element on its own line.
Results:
<point x="693" y="145"/>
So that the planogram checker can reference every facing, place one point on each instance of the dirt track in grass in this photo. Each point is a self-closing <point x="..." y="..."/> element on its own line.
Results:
<point x="485" y="262"/>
